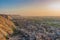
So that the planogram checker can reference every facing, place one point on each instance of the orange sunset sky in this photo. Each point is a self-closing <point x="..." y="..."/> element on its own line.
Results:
<point x="31" y="8"/>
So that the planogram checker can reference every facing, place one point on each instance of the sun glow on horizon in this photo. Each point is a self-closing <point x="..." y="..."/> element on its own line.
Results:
<point x="54" y="6"/>
<point x="34" y="9"/>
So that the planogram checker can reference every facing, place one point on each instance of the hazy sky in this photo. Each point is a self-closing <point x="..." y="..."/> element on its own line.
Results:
<point x="30" y="7"/>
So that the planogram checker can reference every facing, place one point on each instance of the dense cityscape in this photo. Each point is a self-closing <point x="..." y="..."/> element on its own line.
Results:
<point x="36" y="28"/>
<point x="29" y="19"/>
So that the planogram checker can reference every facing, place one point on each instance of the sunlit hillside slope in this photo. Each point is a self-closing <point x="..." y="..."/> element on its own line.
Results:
<point x="6" y="27"/>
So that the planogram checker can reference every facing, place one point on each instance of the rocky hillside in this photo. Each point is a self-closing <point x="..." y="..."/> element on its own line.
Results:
<point x="7" y="27"/>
